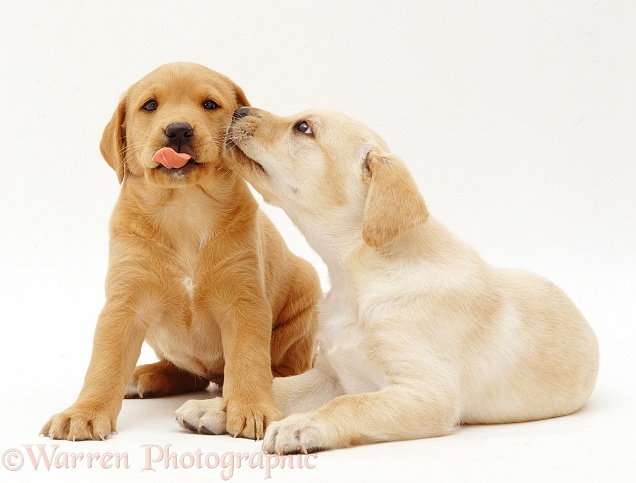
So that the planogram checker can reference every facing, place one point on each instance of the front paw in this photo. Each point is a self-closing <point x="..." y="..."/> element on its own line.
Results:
<point x="247" y="419"/>
<point x="217" y="416"/>
<point x="80" y="422"/>
<point x="203" y="416"/>
<point x="300" y="433"/>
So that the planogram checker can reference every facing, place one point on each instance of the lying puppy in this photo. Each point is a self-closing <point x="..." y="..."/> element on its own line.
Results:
<point x="196" y="269"/>
<point x="418" y="334"/>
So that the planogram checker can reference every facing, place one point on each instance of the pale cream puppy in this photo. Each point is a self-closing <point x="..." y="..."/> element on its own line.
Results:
<point x="418" y="333"/>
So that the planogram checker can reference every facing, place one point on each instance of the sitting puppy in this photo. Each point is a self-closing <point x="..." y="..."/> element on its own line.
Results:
<point x="417" y="334"/>
<point x="196" y="269"/>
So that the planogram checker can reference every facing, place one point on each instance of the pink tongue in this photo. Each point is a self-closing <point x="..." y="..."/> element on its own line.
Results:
<point x="170" y="158"/>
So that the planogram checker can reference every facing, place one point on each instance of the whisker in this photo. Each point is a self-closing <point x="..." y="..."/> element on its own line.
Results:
<point x="217" y="138"/>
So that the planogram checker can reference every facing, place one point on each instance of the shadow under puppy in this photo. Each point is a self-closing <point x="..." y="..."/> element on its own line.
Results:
<point x="418" y="334"/>
<point x="195" y="268"/>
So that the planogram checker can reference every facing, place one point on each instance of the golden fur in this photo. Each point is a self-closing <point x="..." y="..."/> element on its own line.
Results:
<point x="418" y="334"/>
<point x="195" y="269"/>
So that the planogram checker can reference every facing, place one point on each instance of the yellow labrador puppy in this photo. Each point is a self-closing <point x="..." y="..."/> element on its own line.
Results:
<point x="418" y="334"/>
<point x="195" y="269"/>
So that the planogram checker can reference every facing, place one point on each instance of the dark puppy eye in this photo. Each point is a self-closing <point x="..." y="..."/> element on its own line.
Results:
<point x="150" y="106"/>
<point x="304" y="128"/>
<point x="210" y="105"/>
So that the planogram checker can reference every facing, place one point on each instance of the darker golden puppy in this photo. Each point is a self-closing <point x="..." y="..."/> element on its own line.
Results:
<point x="195" y="269"/>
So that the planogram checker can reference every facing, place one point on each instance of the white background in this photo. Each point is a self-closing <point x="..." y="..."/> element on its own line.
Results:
<point x="517" y="119"/>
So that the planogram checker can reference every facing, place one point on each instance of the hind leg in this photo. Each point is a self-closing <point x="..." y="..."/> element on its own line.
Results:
<point x="293" y="353"/>
<point x="293" y="337"/>
<point x="162" y="378"/>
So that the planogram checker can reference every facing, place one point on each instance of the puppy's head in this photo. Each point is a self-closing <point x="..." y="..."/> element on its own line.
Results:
<point x="169" y="126"/>
<point x="329" y="167"/>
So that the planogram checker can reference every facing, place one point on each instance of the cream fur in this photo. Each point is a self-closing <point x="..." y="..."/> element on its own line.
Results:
<point x="418" y="334"/>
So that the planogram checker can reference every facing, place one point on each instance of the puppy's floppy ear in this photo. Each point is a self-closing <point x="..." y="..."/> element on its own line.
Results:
<point x="113" y="144"/>
<point x="393" y="205"/>
<point x="241" y="99"/>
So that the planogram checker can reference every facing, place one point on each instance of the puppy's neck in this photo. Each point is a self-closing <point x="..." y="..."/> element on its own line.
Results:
<point x="333" y="237"/>
<point x="213" y="204"/>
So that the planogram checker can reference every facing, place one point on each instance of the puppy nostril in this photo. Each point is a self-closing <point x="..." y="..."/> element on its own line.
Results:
<point x="240" y="112"/>
<point x="180" y="132"/>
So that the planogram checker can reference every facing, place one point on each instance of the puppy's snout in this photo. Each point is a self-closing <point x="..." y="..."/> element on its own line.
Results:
<point x="179" y="133"/>
<point x="240" y="112"/>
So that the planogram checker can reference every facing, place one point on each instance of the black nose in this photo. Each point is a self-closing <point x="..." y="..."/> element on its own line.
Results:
<point x="179" y="133"/>
<point x="240" y="112"/>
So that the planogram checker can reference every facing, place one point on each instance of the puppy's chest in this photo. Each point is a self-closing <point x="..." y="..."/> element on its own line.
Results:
<point x="185" y="331"/>
<point x="346" y="345"/>
<point x="190" y="261"/>
<point x="185" y="241"/>
<point x="186" y="232"/>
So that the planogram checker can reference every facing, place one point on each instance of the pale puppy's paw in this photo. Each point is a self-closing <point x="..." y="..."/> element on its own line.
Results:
<point x="300" y="433"/>
<point x="203" y="416"/>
